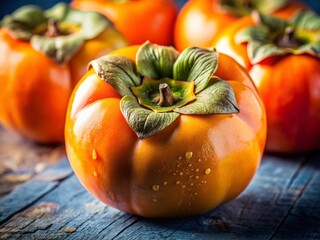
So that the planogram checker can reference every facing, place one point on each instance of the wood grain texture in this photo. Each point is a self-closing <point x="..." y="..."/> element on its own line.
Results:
<point x="282" y="202"/>
<point x="303" y="220"/>
<point x="21" y="159"/>
<point x="23" y="197"/>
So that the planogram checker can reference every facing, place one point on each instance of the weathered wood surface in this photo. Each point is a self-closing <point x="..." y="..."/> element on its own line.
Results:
<point x="20" y="160"/>
<point x="282" y="202"/>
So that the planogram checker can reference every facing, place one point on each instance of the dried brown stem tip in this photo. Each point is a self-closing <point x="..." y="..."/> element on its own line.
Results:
<point x="166" y="96"/>
<point x="53" y="29"/>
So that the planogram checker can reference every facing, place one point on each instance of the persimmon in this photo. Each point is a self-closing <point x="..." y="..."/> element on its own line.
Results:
<point x="282" y="58"/>
<point x="138" y="20"/>
<point x="159" y="133"/>
<point x="199" y="21"/>
<point x="43" y="55"/>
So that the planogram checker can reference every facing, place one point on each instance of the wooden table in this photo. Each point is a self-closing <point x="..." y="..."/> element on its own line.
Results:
<point x="42" y="199"/>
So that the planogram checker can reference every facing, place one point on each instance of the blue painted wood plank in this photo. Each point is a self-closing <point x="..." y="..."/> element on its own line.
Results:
<point x="31" y="191"/>
<point x="75" y="208"/>
<point x="56" y="172"/>
<point x="25" y="195"/>
<point x="280" y="191"/>
<point x="303" y="220"/>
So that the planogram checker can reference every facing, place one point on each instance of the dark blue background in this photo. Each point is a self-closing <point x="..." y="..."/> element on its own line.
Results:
<point x="7" y="6"/>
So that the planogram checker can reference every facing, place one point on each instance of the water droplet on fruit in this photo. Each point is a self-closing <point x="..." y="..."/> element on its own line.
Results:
<point x="177" y="182"/>
<point x="181" y="173"/>
<point x="197" y="170"/>
<point x="155" y="187"/>
<point x="208" y="171"/>
<point x="189" y="155"/>
<point x="165" y="183"/>
<point x="94" y="154"/>
<point x="197" y="177"/>
<point x="95" y="173"/>
<point x="155" y="200"/>
<point x="199" y="160"/>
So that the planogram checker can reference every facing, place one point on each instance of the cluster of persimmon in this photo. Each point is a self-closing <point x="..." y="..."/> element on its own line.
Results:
<point x="141" y="119"/>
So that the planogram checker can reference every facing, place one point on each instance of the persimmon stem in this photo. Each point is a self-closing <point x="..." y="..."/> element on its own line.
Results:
<point x="288" y="39"/>
<point x="53" y="29"/>
<point x="166" y="98"/>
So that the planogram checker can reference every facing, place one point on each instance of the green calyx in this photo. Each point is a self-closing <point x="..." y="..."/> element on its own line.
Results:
<point x="272" y="36"/>
<point x="163" y="84"/>
<point x="57" y="32"/>
<point x="164" y="95"/>
<point x="242" y="8"/>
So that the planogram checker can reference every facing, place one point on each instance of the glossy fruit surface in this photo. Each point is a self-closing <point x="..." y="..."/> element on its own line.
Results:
<point x="38" y="74"/>
<point x="199" y="21"/>
<point x="194" y="164"/>
<point x="138" y="20"/>
<point x="287" y="78"/>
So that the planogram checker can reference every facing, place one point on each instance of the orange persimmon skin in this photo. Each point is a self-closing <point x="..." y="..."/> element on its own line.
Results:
<point x="199" y="21"/>
<point x="290" y="89"/>
<point x="139" y="20"/>
<point x="190" y="167"/>
<point x="35" y="90"/>
<point x="289" y="86"/>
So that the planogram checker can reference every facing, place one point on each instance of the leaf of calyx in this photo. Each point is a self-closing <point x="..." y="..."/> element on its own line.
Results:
<point x="217" y="98"/>
<point x="144" y="122"/>
<point x="91" y="23"/>
<point x="258" y="51"/>
<point x="60" y="49"/>
<point x="156" y="61"/>
<point x="119" y="72"/>
<point x="197" y="65"/>
<point x="22" y="22"/>
<point x="269" y="7"/>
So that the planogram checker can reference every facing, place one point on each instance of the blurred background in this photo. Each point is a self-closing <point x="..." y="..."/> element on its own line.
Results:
<point x="9" y="6"/>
